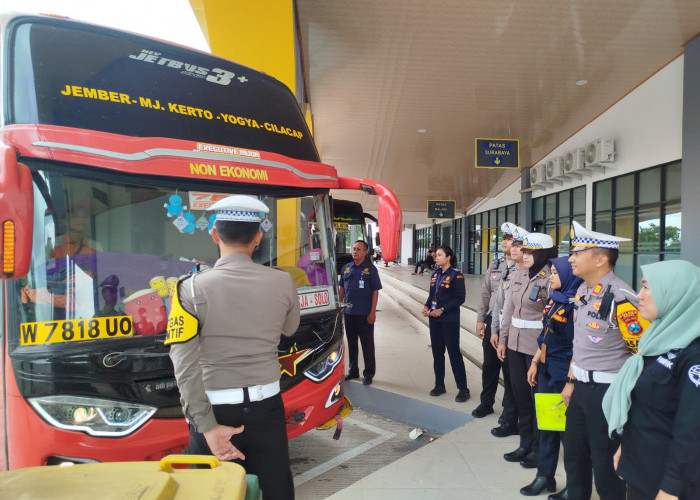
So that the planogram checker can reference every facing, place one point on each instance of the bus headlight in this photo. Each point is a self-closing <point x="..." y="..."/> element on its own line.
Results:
<point x="97" y="417"/>
<point x="322" y="370"/>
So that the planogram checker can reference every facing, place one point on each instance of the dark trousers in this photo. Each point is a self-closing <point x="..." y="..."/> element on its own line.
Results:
<point x="445" y="335"/>
<point x="519" y="363"/>
<point x="510" y="408"/>
<point x="549" y="440"/>
<point x="587" y="446"/>
<point x="490" y="369"/>
<point x="489" y="379"/>
<point x="356" y="327"/>
<point x="263" y="442"/>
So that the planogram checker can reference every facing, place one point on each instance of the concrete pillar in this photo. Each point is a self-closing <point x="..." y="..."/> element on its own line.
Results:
<point x="690" y="173"/>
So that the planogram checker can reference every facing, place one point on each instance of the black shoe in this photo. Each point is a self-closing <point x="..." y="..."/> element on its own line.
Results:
<point x="538" y="486"/>
<point x="481" y="411"/>
<point x="501" y="420"/>
<point x="530" y="461"/>
<point x="505" y="430"/>
<point x="516" y="455"/>
<point x="367" y="381"/>
<point x="562" y="495"/>
<point x="462" y="396"/>
<point x="351" y="376"/>
<point x="438" y="391"/>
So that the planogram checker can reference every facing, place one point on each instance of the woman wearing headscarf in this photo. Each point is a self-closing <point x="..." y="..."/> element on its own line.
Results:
<point x="654" y="403"/>
<point x="552" y="361"/>
<point x="522" y="324"/>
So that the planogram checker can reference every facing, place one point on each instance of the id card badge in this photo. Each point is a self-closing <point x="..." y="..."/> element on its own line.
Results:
<point x="362" y="283"/>
<point x="434" y="305"/>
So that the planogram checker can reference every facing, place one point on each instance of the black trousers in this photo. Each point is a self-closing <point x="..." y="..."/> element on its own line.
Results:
<point x="356" y="327"/>
<point x="263" y="442"/>
<point x="490" y="369"/>
<point x="519" y="363"/>
<point x="587" y="446"/>
<point x="445" y="335"/>
<point x="549" y="440"/>
<point x="489" y="379"/>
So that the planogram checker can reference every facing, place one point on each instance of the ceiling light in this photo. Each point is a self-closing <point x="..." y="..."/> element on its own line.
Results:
<point x="581" y="83"/>
<point x="422" y="131"/>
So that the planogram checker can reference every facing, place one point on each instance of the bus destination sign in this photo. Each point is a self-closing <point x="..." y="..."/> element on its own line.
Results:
<point x="497" y="153"/>
<point x="441" y="209"/>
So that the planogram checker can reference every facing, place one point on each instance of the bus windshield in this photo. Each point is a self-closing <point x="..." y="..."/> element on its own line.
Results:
<point x="107" y="255"/>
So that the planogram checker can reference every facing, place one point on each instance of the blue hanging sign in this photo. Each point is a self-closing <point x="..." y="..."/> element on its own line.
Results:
<point x="497" y="153"/>
<point x="441" y="209"/>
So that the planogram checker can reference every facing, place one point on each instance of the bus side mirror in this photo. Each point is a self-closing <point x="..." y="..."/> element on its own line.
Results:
<point x="16" y="215"/>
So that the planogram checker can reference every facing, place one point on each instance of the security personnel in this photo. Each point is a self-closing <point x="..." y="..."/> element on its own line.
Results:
<point x="607" y="327"/>
<point x="359" y="287"/>
<point x="447" y="294"/>
<point x="489" y="290"/>
<point x="508" y="421"/>
<point x="522" y="324"/>
<point x="223" y="332"/>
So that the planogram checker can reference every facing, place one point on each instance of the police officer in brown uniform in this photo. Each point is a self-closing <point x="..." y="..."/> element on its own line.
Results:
<point x="223" y="332"/>
<point x="607" y="327"/>
<point x="522" y="324"/>
<point x="489" y="290"/>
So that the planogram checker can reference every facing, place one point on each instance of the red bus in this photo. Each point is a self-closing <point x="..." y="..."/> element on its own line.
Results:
<point x="113" y="147"/>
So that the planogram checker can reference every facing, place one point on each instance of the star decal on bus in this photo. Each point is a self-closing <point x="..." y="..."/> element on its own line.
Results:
<point x="288" y="362"/>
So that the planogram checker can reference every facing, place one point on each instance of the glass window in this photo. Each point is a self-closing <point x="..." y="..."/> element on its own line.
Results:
<point x="624" y="227"/>
<point x="672" y="230"/>
<point x="603" y="196"/>
<point x="673" y="182"/>
<point x="624" y="191"/>
<point x="649" y="230"/>
<point x="538" y="209"/>
<point x="550" y="209"/>
<point x="650" y="186"/>
<point x="624" y="269"/>
<point x="563" y="241"/>
<point x="564" y="204"/>
<point x="602" y="222"/>
<point x="579" y="207"/>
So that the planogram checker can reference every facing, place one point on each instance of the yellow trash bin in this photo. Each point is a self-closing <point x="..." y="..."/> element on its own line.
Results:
<point x="129" y="480"/>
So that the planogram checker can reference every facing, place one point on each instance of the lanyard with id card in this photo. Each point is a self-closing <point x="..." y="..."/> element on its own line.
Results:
<point x="438" y="280"/>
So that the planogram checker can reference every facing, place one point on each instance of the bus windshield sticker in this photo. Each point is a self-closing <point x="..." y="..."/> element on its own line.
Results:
<point x="76" y="330"/>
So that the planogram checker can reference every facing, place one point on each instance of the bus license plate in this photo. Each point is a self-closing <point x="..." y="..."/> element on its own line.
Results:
<point x="76" y="330"/>
<point x="314" y="299"/>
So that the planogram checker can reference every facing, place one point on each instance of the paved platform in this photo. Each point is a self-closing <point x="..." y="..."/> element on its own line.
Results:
<point x="467" y="462"/>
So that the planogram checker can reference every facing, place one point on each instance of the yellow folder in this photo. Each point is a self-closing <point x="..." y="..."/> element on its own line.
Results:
<point x="551" y="412"/>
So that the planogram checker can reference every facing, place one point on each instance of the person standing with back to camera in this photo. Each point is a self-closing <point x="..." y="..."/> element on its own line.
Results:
<point x="447" y="294"/>
<point x="223" y="333"/>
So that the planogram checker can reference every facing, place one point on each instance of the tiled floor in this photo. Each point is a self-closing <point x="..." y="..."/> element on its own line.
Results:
<point x="466" y="463"/>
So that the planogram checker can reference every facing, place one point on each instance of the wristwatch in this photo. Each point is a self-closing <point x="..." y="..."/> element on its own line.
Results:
<point x="569" y="380"/>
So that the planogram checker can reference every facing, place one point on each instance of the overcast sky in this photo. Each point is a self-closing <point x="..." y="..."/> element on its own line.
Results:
<point x="171" y="20"/>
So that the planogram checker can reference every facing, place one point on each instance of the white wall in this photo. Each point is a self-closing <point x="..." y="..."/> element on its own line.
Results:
<point x="646" y="125"/>
<point x="406" y="245"/>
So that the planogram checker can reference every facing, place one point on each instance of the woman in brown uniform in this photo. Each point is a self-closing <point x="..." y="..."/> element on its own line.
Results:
<point x="522" y="324"/>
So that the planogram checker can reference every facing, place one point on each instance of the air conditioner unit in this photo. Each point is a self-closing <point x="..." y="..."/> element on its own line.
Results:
<point x="574" y="162"/>
<point x="554" y="170"/>
<point x="599" y="151"/>
<point x="537" y="175"/>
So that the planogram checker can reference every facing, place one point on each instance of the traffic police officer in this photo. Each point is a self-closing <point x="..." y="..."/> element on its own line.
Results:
<point x="493" y="278"/>
<point x="223" y="333"/>
<point x="508" y="421"/>
<point x="522" y="324"/>
<point x="359" y="286"/>
<point x="447" y="294"/>
<point x="607" y="327"/>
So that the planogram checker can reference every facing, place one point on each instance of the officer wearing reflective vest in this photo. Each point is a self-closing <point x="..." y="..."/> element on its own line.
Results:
<point x="223" y="333"/>
<point x="607" y="327"/>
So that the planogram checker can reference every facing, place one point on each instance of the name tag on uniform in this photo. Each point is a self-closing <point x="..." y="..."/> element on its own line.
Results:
<point x="362" y="283"/>
<point x="434" y="305"/>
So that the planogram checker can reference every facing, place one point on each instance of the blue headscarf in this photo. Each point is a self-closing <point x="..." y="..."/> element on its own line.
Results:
<point x="569" y="282"/>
